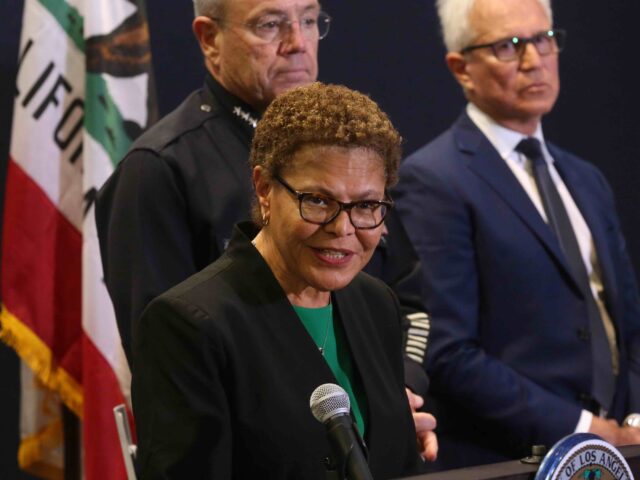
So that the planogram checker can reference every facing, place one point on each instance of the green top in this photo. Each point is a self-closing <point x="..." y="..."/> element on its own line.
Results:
<point x="321" y="325"/>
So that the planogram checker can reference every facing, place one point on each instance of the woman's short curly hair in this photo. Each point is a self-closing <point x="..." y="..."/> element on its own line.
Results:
<point x="323" y="115"/>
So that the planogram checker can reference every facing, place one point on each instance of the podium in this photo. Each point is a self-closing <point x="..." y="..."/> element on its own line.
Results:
<point x="516" y="470"/>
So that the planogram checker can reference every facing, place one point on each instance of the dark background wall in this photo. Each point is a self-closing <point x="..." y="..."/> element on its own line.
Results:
<point x="392" y="51"/>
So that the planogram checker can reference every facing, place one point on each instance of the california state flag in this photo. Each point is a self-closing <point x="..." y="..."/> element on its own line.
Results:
<point x="82" y="96"/>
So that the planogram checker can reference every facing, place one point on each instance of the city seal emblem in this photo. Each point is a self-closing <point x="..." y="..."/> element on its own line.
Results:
<point x="584" y="456"/>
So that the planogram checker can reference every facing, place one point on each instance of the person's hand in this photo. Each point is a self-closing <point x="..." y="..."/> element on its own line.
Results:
<point x="613" y="433"/>
<point x="425" y="424"/>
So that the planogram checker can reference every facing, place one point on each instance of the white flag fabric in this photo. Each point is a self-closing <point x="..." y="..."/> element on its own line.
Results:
<point x="82" y="97"/>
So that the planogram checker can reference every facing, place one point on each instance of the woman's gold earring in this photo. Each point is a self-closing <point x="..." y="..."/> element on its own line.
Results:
<point x="265" y="220"/>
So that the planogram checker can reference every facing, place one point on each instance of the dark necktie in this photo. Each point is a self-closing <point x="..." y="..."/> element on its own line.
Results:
<point x="603" y="384"/>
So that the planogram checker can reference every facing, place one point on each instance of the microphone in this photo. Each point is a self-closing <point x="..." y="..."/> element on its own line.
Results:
<point x="330" y="405"/>
<point x="632" y="420"/>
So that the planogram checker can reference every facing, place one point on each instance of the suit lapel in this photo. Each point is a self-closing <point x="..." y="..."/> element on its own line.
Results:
<point x="590" y="209"/>
<point x="485" y="162"/>
<point x="298" y="345"/>
<point x="361" y="342"/>
<point x="281" y="324"/>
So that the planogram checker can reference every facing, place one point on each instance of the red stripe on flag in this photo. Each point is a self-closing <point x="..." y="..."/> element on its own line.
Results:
<point x="102" y="452"/>
<point x="41" y="269"/>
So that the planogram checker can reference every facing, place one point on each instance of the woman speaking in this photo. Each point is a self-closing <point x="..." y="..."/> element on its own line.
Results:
<point x="225" y="362"/>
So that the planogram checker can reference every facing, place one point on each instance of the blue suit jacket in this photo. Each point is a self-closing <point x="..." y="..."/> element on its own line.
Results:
<point x="509" y="355"/>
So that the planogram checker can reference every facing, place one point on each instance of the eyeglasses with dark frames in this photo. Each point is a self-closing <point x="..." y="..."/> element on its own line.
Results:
<point x="322" y="210"/>
<point x="275" y="27"/>
<point x="512" y="48"/>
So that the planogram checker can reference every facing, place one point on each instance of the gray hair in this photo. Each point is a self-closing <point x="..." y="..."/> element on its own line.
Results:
<point x="209" y="8"/>
<point x="454" y="21"/>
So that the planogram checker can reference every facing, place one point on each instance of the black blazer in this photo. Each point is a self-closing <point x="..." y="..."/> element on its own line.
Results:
<point x="224" y="370"/>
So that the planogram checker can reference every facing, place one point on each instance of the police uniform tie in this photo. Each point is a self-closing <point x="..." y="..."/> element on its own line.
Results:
<point x="603" y="383"/>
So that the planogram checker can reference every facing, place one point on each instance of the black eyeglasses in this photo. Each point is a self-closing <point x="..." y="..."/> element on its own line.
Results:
<point x="275" y="27"/>
<point x="512" y="48"/>
<point x="321" y="210"/>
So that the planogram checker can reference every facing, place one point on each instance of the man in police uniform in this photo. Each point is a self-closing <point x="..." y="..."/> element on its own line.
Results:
<point x="168" y="209"/>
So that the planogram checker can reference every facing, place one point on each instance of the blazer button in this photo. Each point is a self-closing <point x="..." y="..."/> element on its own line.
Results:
<point x="584" y="334"/>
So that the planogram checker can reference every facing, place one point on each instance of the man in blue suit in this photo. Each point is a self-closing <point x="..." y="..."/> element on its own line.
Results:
<point x="535" y="330"/>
